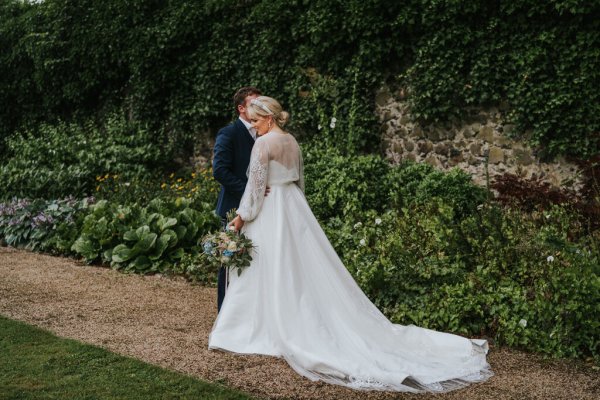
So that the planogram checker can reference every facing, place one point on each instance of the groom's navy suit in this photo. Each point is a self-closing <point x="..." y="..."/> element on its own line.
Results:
<point x="230" y="163"/>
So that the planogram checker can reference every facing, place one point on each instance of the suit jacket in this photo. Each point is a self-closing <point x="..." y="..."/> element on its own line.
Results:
<point x="230" y="163"/>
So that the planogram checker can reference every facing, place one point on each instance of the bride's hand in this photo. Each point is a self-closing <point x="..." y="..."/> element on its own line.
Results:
<point x="237" y="223"/>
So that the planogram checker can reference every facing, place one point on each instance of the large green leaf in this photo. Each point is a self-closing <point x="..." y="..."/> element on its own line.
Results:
<point x="86" y="248"/>
<point x="172" y="237"/>
<point x="177" y="254"/>
<point x="164" y="223"/>
<point x="122" y="253"/>
<point x="181" y="231"/>
<point x="161" y="244"/>
<point x="141" y="263"/>
<point x="142" y="231"/>
<point x="146" y="243"/>
<point x="131" y="236"/>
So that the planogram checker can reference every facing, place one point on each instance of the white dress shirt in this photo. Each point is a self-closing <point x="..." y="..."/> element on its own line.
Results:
<point x="250" y="128"/>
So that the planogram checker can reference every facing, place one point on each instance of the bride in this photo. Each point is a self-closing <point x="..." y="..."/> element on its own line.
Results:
<point x="298" y="301"/>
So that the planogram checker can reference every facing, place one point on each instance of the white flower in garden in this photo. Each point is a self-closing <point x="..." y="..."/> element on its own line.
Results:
<point x="548" y="216"/>
<point x="480" y="207"/>
<point x="523" y="323"/>
<point x="332" y="123"/>
<point x="363" y="242"/>
<point x="377" y="221"/>
<point x="333" y="119"/>
<point x="550" y="259"/>
<point x="357" y="225"/>
<point x="319" y="127"/>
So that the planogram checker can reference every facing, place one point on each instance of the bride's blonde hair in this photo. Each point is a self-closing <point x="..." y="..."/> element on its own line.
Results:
<point x="264" y="106"/>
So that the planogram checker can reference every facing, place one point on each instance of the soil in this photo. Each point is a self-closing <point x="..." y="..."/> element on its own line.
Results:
<point x="166" y="321"/>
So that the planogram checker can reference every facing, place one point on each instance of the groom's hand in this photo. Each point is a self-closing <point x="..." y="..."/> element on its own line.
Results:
<point x="237" y="223"/>
<point x="267" y="191"/>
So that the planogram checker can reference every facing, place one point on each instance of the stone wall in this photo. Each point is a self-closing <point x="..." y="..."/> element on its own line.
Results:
<point x="465" y="144"/>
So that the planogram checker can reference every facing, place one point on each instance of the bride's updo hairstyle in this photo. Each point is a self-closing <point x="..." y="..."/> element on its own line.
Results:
<point x="264" y="106"/>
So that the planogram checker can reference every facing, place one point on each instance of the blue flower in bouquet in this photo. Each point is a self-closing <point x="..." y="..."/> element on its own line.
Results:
<point x="228" y="253"/>
<point x="208" y="247"/>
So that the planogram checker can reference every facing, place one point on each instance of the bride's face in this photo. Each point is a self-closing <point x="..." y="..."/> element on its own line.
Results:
<point x="261" y="124"/>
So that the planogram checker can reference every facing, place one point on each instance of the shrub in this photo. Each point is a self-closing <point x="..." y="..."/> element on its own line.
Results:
<point x="524" y="280"/>
<point x="417" y="184"/>
<point x="339" y="185"/>
<point x="42" y="225"/>
<point x="65" y="159"/>
<point x="143" y="239"/>
<point x="199" y="186"/>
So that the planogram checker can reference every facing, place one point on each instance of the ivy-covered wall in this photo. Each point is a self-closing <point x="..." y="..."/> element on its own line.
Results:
<point x="175" y="64"/>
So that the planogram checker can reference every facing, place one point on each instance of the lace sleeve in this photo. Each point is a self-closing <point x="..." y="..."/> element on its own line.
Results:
<point x="254" y="194"/>
<point x="300" y="181"/>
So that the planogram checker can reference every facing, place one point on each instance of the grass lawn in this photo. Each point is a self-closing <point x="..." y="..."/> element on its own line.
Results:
<point x="34" y="364"/>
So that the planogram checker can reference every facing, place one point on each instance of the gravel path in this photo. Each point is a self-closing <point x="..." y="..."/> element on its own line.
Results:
<point x="166" y="322"/>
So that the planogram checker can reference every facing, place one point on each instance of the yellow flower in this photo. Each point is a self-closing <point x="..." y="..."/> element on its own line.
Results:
<point x="98" y="178"/>
<point x="193" y="174"/>
<point x="172" y="175"/>
<point x="97" y="188"/>
<point x="194" y="190"/>
<point x="106" y="176"/>
<point x="115" y="176"/>
<point x="164" y="185"/>
<point x="179" y="180"/>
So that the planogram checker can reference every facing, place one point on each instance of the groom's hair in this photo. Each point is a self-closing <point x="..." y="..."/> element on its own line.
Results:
<point x="242" y="93"/>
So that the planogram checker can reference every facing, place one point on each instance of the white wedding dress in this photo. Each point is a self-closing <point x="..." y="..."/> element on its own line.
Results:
<point x="297" y="300"/>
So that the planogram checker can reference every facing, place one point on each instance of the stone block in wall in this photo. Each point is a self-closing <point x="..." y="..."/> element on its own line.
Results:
<point x="431" y="159"/>
<point x="410" y="156"/>
<point x="486" y="133"/>
<point x="502" y="142"/>
<point x="475" y="149"/>
<point x="409" y="145"/>
<point x="523" y="157"/>
<point x="432" y="135"/>
<point x="508" y="129"/>
<point x="383" y="97"/>
<point x="417" y="132"/>
<point x="496" y="155"/>
<point x="441" y="148"/>
<point x="425" y="147"/>
<point x="474" y="129"/>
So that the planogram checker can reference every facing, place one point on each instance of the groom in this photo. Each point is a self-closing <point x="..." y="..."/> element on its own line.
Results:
<point x="230" y="162"/>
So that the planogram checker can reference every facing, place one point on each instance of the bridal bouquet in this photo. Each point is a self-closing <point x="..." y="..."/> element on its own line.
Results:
<point x="227" y="249"/>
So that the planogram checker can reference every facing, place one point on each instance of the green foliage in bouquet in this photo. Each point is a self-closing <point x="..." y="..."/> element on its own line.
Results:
<point x="228" y="249"/>
<point x="143" y="239"/>
<point x="42" y="225"/>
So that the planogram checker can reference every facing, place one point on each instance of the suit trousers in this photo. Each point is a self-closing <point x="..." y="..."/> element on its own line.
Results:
<point x="221" y="278"/>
